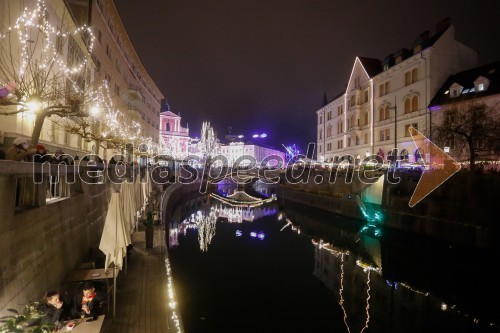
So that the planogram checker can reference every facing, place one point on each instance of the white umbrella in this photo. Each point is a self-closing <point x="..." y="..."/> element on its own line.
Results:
<point x="139" y="197"/>
<point x="115" y="238"/>
<point x="145" y="194"/>
<point x="129" y="205"/>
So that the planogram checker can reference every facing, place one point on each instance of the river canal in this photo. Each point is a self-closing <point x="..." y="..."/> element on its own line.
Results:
<point x="283" y="267"/>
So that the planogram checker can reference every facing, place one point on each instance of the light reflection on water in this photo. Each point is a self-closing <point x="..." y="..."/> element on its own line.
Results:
<point x="367" y="284"/>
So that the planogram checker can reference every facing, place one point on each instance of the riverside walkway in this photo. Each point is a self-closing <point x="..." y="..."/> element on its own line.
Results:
<point x="142" y="294"/>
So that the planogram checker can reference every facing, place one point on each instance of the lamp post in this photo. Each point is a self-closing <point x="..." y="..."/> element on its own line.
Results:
<point x="395" y="124"/>
<point x="394" y="150"/>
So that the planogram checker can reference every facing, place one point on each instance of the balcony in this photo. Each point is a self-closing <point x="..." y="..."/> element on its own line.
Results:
<point x="137" y="110"/>
<point x="135" y="93"/>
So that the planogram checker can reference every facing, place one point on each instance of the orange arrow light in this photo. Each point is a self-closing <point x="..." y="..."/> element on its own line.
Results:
<point x="443" y="167"/>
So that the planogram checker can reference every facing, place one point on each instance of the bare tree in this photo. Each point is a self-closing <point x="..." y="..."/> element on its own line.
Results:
<point x="49" y="70"/>
<point x="472" y="130"/>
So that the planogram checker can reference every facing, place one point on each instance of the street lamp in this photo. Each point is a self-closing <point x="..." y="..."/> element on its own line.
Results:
<point x="94" y="110"/>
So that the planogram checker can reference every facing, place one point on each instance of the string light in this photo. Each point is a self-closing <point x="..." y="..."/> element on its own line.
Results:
<point x="45" y="58"/>
<point x="171" y="297"/>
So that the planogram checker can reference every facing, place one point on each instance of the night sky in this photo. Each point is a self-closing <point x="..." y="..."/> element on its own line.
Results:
<point x="264" y="65"/>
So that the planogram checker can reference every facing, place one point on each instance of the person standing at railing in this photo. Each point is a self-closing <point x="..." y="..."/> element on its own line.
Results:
<point x="20" y="150"/>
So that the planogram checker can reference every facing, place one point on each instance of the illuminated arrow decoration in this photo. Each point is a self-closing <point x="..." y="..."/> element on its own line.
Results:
<point x="443" y="167"/>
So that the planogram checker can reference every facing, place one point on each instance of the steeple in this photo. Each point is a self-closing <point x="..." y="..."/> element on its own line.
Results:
<point x="166" y="107"/>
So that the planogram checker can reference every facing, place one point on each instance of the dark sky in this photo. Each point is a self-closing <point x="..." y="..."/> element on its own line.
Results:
<point x="264" y="65"/>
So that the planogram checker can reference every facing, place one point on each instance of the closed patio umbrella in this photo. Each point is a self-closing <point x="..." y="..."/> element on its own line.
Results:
<point x="115" y="238"/>
<point x="128" y="198"/>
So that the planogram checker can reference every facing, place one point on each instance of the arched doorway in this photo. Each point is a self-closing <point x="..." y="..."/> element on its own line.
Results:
<point x="419" y="155"/>
<point x="404" y="155"/>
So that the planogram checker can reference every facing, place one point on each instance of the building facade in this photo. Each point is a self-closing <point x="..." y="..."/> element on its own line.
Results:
<point x="235" y="151"/>
<point x="462" y="94"/>
<point x="384" y="98"/>
<point x="116" y="61"/>
<point x="175" y="138"/>
<point x="112" y="60"/>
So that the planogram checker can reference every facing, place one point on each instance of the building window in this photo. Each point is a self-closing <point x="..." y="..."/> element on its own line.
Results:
<point x="407" y="78"/>
<point x="411" y="104"/>
<point x="407" y="105"/>
<point x="108" y="51"/>
<point x="99" y="35"/>
<point x="59" y="42"/>
<point x="357" y="140"/>
<point x="366" y="96"/>
<point x="352" y="101"/>
<point x="407" y="128"/>
<point x="414" y="103"/>
<point x="384" y="88"/>
<point x="117" y="89"/>
<point x="414" y="75"/>
<point x="340" y="110"/>
<point x="381" y="89"/>
<point x="366" y="118"/>
<point x="97" y="63"/>
<point x="340" y="144"/>
<point x="321" y="119"/>
<point x="320" y="134"/>
<point x="329" y="115"/>
<point x="385" y="135"/>
<point x="384" y="113"/>
<point x="480" y="87"/>
<point x="366" y="138"/>
<point x="348" y="142"/>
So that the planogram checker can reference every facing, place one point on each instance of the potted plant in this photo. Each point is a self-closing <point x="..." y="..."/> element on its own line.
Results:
<point x="148" y="223"/>
<point x="28" y="320"/>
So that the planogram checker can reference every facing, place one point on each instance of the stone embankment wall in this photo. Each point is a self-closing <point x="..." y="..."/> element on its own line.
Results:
<point x="462" y="210"/>
<point x="42" y="240"/>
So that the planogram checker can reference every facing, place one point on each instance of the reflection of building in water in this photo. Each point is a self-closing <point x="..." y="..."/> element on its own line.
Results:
<point x="370" y="301"/>
<point x="240" y="214"/>
<point x="173" y="237"/>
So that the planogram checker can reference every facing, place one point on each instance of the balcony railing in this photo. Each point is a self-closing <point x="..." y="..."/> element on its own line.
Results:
<point x="135" y="92"/>
<point x="136" y="109"/>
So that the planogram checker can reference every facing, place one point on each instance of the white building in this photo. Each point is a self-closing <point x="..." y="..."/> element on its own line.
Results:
<point x="133" y="93"/>
<point x="175" y="137"/>
<point x="384" y="98"/>
<point x="237" y="150"/>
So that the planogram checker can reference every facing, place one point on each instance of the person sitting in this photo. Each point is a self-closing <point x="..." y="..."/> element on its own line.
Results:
<point x="53" y="308"/>
<point x="89" y="302"/>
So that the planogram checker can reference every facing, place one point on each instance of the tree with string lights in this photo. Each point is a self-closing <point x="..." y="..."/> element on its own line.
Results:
<point x="46" y="72"/>
<point x="472" y="130"/>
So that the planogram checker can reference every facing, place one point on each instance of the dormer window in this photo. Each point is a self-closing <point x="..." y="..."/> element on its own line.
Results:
<point x="481" y="84"/>
<point x="455" y="90"/>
